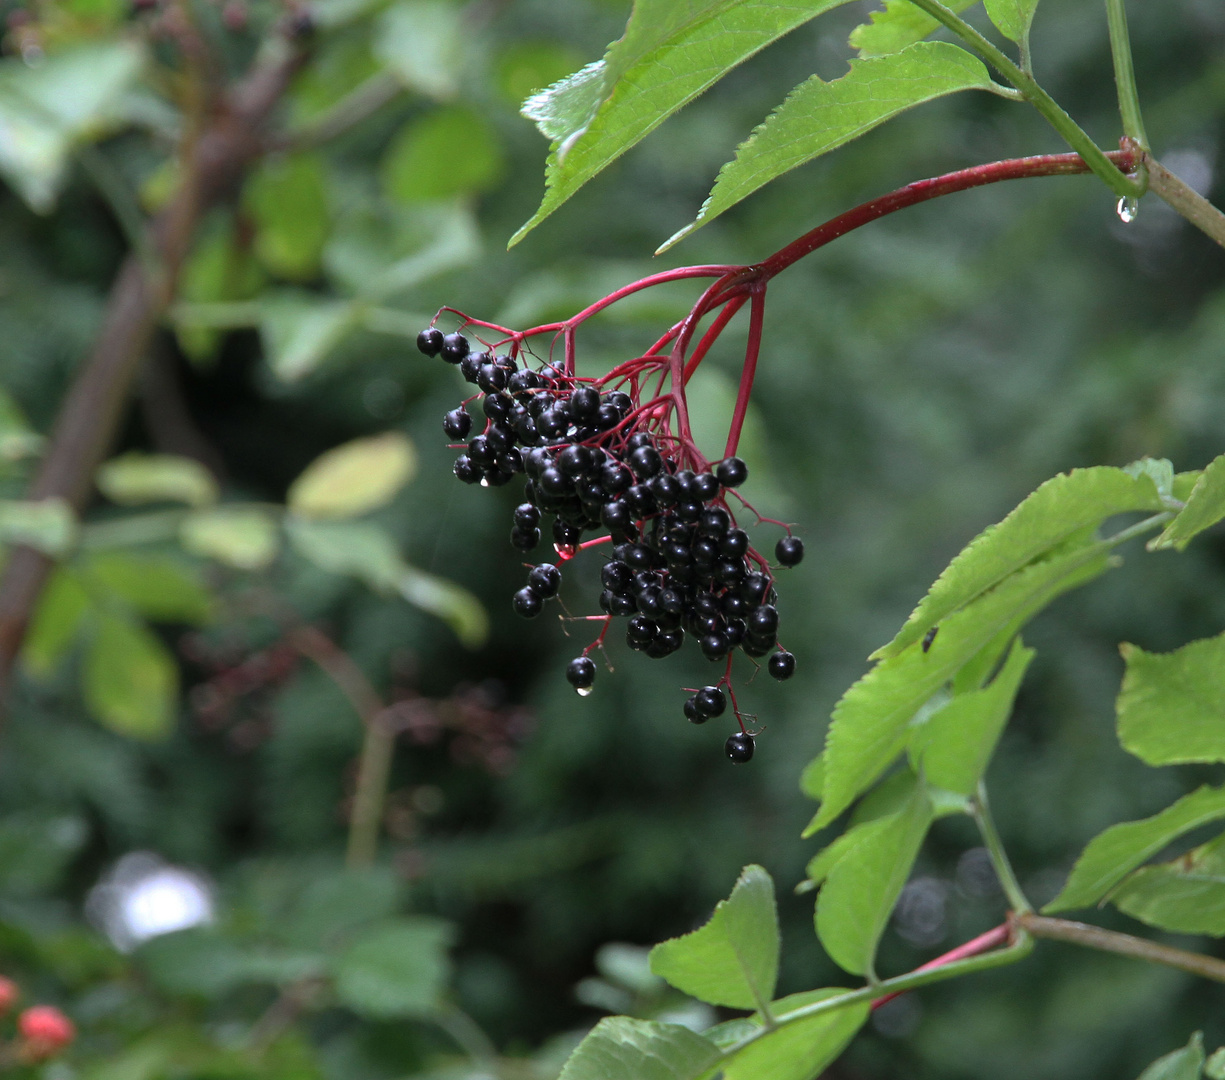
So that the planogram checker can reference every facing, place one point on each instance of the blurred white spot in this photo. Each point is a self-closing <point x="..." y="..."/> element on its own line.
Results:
<point x="1192" y="167"/>
<point x="143" y="896"/>
<point x="975" y="874"/>
<point x="920" y="916"/>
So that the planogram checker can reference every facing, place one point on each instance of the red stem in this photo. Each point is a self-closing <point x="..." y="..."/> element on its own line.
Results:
<point x="757" y="315"/>
<point x="981" y="944"/>
<point x="712" y="335"/>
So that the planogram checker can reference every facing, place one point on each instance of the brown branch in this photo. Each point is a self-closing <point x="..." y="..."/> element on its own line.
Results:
<point x="231" y="141"/>
<point x="1094" y="937"/>
<point x="1186" y="200"/>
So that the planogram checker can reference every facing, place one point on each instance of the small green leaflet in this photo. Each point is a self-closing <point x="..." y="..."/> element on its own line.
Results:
<point x="1114" y="854"/>
<point x="1060" y="508"/>
<point x="1214" y="1067"/>
<point x="246" y="537"/>
<point x="819" y="116"/>
<point x="733" y="959"/>
<point x="801" y="1049"/>
<point x="398" y="968"/>
<point x="899" y="24"/>
<point x="870" y="723"/>
<point x="1186" y="895"/>
<point x="1171" y="708"/>
<point x="131" y="681"/>
<point x="62" y="608"/>
<point x="1012" y="17"/>
<point x="670" y="53"/>
<point x="952" y="748"/>
<point x="135" y="478"/>
<point x="354" y="478"/>
<point x="1205" y="507"/>
<point x="156" y="587"/>
<point x="862" y="888"/>
<point x="1184" y="1064"/>
<point x="619" y="1048"/>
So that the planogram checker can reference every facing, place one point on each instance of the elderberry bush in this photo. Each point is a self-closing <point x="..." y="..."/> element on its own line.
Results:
<point x="678" y="564"/>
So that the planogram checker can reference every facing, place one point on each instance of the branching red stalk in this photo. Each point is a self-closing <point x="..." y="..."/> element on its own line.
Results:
<point x="981" y="944"/>
<point x="712" y="335"/>
<point x="757" y="314"/>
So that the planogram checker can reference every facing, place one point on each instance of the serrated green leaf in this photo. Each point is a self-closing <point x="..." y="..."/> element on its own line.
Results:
<point x="397" y="969"/>
<point x="863" y="886"/>
<point x="733" y="959"/>
<point x="422" y="42"/>
<point x="1214" y="1067"/>
<point x="801" y="1049"/>
<point x="870" y="723"/>
<point x="953" y="746"/>
<point x="452" y="603"/>
<point x="670" y="53"/>
<point x="131" y="682"/>
<point x="155" y="587"/>
<point x="1184" y="1064"/>
<point x="837" y="849"/>
<point x="1171" y="708"/>
<point x="62" y="608"/>
<point x="287" y="198"/>
<point x="1060" y="508"/>
<point x="812" y="779"/>
<point x="411" y="169"/>
<point x="135" y="478"/>
<point x="355" y="478"/>
<point x="299" y="331"/>
<point x="48" y="525"/>
<point x="819" y="116"/>
<point x="1205" y="507"/>
<point x="1186" y="896"/>
<point x="1114" y="854"/>
<point x="1012" y="17"/>
<point x="245" y="537"/>
<point x="620" y="1048"/>
<point x="897" y="25"/>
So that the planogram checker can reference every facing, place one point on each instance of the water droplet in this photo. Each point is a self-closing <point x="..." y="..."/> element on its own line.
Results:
<point x="1127" y="209"/>
<point x="484" y="482"/>
<point x="583" y="691"/>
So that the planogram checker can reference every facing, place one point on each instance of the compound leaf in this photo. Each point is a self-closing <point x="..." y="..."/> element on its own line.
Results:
<point x="819" y="116"/>
<point x="670" y="53"/>
<point x="1171" y="708"/>
<point x="1184" y="1064"/>
<point x="863" y="886"/>
<point x="803" y="1048"/>
<point x="897" y="25"/>
<point x="619" y="1048"/>
<point x="953" y="746"/>
<point x="1114" y="854"/>
<point x="1186" y="895"/>
<point x="733" y="959"/>
<point x="1012" y="17"/>
<point x="1059" y="509"/>
<point x="1205" y="507"/>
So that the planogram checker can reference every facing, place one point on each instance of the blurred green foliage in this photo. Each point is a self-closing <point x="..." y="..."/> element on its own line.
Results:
<point x="917" y="380"/>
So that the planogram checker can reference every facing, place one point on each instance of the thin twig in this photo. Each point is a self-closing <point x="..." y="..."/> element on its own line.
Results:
<point x="1186" y="200"/>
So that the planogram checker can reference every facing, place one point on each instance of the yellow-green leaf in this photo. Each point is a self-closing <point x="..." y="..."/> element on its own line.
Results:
<point x="131" y="682"/>
<point x="355" y="478"/>
<point x="136" y="478"/>
<point x="245" y="537"/>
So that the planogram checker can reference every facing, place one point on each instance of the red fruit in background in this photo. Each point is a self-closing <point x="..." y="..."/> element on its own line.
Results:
<point x="9" y="993"/>
<point x="44" y="1032"/>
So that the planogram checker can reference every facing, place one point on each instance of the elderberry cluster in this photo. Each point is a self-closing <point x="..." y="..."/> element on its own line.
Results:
<point x="679" y="565"/>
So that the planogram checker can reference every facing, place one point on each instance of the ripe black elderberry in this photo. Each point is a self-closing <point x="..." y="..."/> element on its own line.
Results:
<point x="454" y="348"/>
<point x="782" y="665"/>
<point x="731" y="472"/>
<point x="710" y="701"/>
<point x="457" y="423"/>
<point x="430" y="341"/>
<point x="789" y="550"/>
<point x="580" y="673"/>
<point x="544" y="579"/>
<point x="739" y="748"/>
<point x="528" y="603"/>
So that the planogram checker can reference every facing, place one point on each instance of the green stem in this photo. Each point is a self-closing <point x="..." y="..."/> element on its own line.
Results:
<point x="469" y="1037"/>
<point x="981" y="813"/>
<point x="1186" y="200"/>
<point x="372" y="775"/>
<point x="1073" y="134"/>
<point x="1124" y="74"/>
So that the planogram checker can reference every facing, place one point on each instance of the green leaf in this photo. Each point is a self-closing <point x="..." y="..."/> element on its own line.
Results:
<point x="412" y="170"/>
<point x="48" y="525"/>
<point x="156" y="587"/>
<point x="733" y="959"/>
<point x="422" y="41"/>
<point x="62" y="608"/>
<point x="287" y="197"/>
<point x="136" y="478"/>
<point x="863" y="886"/>
<point x="1186" y="895"/>
<point x="398" y="969"/>
<point x="837" y="849"/>
<point x="1114" y="854"/>
<point x="870" y="723"/>
<point x="299" y="331"/>
<point x="1171" y="708"/>
<point x="1214" y="1067"/>
<point x="619" y="1048"/>
<point x="48" y="108"/>
<point x="1056" y="512"/>
<point x="955" y="743"/>
<point x="368" y="553"/>
<point x="203" y="962"/>
<point x="17" y="439"/>
<point x="801" y="1049"/>
<point x="670" y="53"/>
<point x="37" y="849"/>
<point x="131" y="682"/>
<point x="1184" y="1064"/>
<point x="1205" y="507"/>
<point x="221" y="269"/>
<point x="812" y="779"/>
<point x="1012" y="17"/>
<point x="897" y="25"/>
<point x="355" y="478"/>
<point x="819" y="116"/>
<point x="245" y="537"/>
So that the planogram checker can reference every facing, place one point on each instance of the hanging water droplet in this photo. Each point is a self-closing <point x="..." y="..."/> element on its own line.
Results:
<point x="583" y="691"/>
<point x="484" y="482"/>
<point x="1127" y="209"/>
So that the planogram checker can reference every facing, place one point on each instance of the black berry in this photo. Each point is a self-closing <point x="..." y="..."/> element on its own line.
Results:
<point x="711" y="701"/>
<point x="545" y="579"/>
<point x="782" y="665"/>
<point x="580" y="673"/>
<point x="457" y="423"/>
<point x="789" y="550"/>
<point x="739" y="748"/>
<point x="430" y="341"/>
<point x="731" y="472"/>
<point x="527" y="602"/>
<point x="454" y="348"/>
